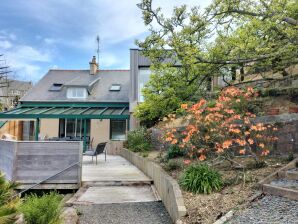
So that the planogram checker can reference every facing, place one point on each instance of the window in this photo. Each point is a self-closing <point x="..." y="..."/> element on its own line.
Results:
<point x="77" y="93"/>
<point x="118" y="129"/>
<point x="144" y="77"/>
<point x="56" y="87"/>
<point x="73" y="128"/>
<point x="115" y="87"/>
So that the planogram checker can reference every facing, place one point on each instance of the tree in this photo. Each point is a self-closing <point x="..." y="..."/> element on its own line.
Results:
<point x="225" y="37"/>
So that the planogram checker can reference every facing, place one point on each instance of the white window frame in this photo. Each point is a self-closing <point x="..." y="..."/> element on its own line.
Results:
<point x="72" y="93"/>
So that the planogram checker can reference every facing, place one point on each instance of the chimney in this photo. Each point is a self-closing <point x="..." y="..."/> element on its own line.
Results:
<point x="93" y="66"/>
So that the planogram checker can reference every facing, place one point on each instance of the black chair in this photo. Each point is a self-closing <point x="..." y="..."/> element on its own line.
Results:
<point x="100" y="148"/>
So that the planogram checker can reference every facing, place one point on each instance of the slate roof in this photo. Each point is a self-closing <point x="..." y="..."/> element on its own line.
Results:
<point x="98" y="85"/>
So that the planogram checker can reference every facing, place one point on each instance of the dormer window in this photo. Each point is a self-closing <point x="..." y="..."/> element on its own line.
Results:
<point x="115" y="87"/>
<point x="56" y="87"/>
<point x="77" y="93"/>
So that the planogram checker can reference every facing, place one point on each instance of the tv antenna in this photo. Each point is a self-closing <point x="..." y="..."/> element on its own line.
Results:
<point x="98" y="49"/>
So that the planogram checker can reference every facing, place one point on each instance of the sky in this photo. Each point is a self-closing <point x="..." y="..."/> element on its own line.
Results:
<point x="36" y="35"/>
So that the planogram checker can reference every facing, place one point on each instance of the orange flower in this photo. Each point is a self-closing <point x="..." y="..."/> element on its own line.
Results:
<point x="174" y="142"/>
<point x="229" y="111"/>
<point x="238" y="100"/>
<point x="169" y="139"/>
<point x="184" y="106"/>
<point x="250" y="141"/>
<point x="247" y="133"/>
<point x="226" y="144"/>
<point x="242" y="151"/>
<point x="202" y="157"/>
<point x="187" y="161"/>
<point x="240" y="142"/>
<point x="262" y="145"/>
<point x="236" y="131"/>
<point x="265" y="152"/>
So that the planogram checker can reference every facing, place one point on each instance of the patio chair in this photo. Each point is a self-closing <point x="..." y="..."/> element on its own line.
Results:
<point x="100" y="148"/>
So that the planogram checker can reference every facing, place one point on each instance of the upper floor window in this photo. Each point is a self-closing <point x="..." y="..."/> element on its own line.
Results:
<point x="144" y="77"/>
<point x="76" y="93"/>
<point x="56" y="87"/>
<point x="115" y="87"/>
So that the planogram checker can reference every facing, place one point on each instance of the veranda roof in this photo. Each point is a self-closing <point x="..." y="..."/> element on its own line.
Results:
<point x="68" y="111"/>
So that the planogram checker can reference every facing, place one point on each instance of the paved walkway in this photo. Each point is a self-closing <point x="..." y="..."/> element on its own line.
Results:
<point x="116" y="191"/>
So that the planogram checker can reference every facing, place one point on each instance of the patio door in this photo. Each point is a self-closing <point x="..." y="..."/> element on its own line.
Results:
<point x="73" y="128"/>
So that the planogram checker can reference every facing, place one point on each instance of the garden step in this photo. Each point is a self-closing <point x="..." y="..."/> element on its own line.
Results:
<point x="118" y="183"/>
<point x="289" y="174"/>
<point x="284" y="190"/>
<point x="285" y="183"/>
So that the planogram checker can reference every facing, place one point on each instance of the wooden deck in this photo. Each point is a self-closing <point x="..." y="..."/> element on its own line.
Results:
<point x="115" y="169"/>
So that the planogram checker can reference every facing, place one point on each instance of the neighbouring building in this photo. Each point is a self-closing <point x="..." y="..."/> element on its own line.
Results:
<point x="12" y="91"/>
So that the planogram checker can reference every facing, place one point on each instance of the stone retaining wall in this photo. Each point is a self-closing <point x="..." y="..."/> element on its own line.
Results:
<point x="166" y="186"/>
<point x="287" y="133"/>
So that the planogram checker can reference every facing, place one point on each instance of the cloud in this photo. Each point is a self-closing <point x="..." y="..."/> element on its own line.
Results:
<point x="24" y="60"/>
<point x="64" y="27"/>
<point x="5" y="44"/>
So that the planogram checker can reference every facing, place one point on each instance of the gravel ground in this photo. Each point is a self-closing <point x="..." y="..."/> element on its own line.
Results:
<point x="269" y="210"/>
<point x="125" y="213"/>
<point x="293" y="184"/>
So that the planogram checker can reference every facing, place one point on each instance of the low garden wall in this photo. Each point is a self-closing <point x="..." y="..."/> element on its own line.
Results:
<point x="166" y="186"/>
<point x="29" y="162"/>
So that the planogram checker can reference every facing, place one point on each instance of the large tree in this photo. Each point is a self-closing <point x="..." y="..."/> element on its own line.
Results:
<point x="216" y="41"/>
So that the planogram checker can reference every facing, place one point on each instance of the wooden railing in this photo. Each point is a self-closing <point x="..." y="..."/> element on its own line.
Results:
<point x="30" y="162"/>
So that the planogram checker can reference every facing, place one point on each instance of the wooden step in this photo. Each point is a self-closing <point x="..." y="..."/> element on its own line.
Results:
<point x="288" y="174"/>
<point x="292" y="174"/>
<point x="280" y="191"/>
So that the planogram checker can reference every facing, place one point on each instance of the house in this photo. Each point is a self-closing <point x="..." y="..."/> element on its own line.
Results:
<point x="93" y="105"/>
<point x="11" y="91"/>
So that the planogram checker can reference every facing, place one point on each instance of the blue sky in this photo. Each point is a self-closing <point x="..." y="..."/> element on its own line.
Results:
<point x="36" y="35"/>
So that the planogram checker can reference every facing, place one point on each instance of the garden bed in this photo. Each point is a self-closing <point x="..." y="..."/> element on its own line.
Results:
<point x="235" y="195"/>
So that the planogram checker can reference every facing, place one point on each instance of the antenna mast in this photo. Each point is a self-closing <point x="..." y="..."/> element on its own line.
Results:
<point x="98" y="50"/>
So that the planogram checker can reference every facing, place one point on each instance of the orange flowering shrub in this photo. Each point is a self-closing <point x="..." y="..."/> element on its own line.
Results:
<point x="223" y="127"/>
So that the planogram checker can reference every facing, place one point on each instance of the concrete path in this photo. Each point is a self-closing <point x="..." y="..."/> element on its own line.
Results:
<point x="116" y="194"/>
<point x="116" y="191"/>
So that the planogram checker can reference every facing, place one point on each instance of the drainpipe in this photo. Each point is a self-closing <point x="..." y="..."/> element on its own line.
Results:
<point x="37" y="129"/>
<point x="85" y="133"/>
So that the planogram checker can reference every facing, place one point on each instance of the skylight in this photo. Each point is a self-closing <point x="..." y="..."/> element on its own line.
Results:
<point x="115" y="87"/>
<point x="56" y="87"/>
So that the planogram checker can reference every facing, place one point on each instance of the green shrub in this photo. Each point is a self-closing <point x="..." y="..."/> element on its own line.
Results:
<point x="139" y="140"/>
<point x="174" y="151"/>
<point x="200" y="178"/>
<point x="291" y="157"/>
<point x="45" y="209"/>
<point x="8" y="204"/>
<point x="173" y="165"/>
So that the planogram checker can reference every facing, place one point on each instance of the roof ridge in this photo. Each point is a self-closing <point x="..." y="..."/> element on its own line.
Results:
<point x="54" y="69"/>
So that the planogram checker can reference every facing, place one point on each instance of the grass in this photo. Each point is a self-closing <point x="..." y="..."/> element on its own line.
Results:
<point x="200" y="178"/>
